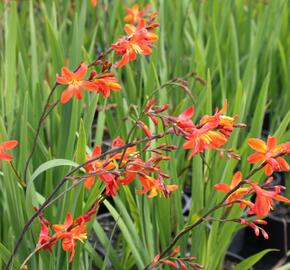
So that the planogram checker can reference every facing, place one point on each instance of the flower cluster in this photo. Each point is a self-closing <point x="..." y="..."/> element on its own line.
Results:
<point x="241" y="190"/>
<point x="99" y="83"/>
<point x="124" y="166"/>
<point x="264" y="195"/>
<point x="139" y="40"/>
<point x="270" y="153"/>
<point x="211" y="132"/>
<point x="134" y="14"/>
<point x="68" y="232"/>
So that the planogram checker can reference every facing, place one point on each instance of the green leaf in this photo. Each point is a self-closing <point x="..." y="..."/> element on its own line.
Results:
<point x="249" y="262"/>
<point x="5" y="254"/>
<point x="128" y="235"/>
<point x="51" y="164"/>
<point x="82" y="144"/>
<point x="283" y="126"/>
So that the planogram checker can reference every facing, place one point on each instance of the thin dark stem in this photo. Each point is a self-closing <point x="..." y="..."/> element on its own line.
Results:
<point x="29" y="222"/>
<point x="205" y="215"/>
<point x="128" y="138"/>
<point x="66" y="178"/>
<point x="51" y="108"/>
<point x="76" y="183"/>
<point x="177" y="82"/>
<point x="20" y="180"/>
<point x="102" y="55"/>
<point x="40" y="122"/>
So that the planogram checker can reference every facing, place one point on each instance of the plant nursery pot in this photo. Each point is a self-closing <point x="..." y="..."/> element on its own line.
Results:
<point x="231" y="260"/>
<point x="238" y="242"/>
<point x="278" y="228"/>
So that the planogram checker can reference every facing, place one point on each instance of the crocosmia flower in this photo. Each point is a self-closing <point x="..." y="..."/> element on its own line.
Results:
<point x="106" y="82"/>
<point x="8" y="145"/>
<point x="184" y="121"/>
<point x="238" y="194"/>
<point x="102" y="168"/>
<point x="155" y="186"/>
<point x="74" y="82"/>
<point x="265" y="199"/>
<point x="69" y="233"/>
<point x="211" y="132"/>
<point x="224" y="123"/>
<point x="139" y="41"/>
<point x="268" y="153"/>
<point x="134" y="14"/>
<point x="203" y="138"/>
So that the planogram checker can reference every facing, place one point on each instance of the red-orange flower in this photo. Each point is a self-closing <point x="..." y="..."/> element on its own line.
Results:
<point x="135" y="14"/>
<point x="8" y="145"/>
<point x="184" y="120"/>
<point x="118" y="142"/>
<point x="44" y="237"/>
<point x="268" y="153"/>
<point x="265" y="199"/>
<point x="74" y="82"/>
<point x="211" y="133"/>
<point x="103" y="167"/>
<point x="224" y="123"/>
<point x="97" y="167"/>
<point x="238" y="194"/>
<point x="138" y="41"/>
<point x="203" y="138"/>
<point x="106" y="82"/>
<point x="94" y="3"/>
<point x="69" y="234"/>
<point x="155" y="186"/>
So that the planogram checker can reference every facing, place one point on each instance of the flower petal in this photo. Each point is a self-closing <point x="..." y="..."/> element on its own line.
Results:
<point x="90" y="86"/>
<point x="81" y="72"/>
<point x="257" y="145"/>
<point x="268" y="169"/>
<point x="271" y="143"/>
<point x="256" y="157"/>
<point x="66" y="96"/>
<point x="8" y="144"/>
<point x="188" y="113"/>
<point x="67" y="73"/>
<point x="5" y="156"/>
<point x="283" y="163"/>
<point x="237" y="178"/>
<point x="61" y="80"/>
<point x="222" y="187"/>
<point x="89" y="182"/>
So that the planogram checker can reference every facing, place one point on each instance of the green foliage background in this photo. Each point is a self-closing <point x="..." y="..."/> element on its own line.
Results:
<point x="241" y="48"/>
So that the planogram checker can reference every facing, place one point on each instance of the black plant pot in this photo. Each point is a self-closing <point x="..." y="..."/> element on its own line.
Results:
<point x="238" y="242"/>
<point x="278" y="229"/>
